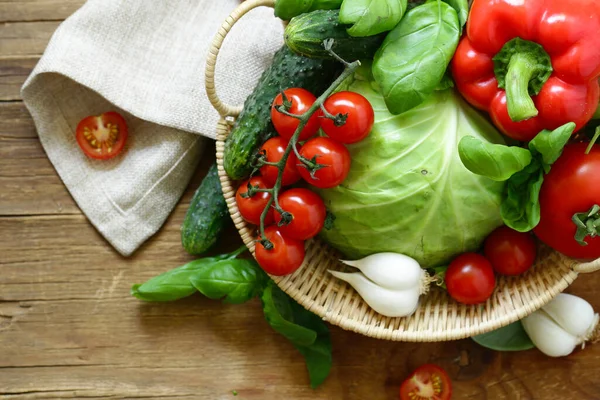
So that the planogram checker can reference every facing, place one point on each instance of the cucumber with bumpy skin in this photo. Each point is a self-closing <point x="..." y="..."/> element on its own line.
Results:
<point x="253" y="126"/>
<point x="207" y="216"/>
<point x="305" y="35"/>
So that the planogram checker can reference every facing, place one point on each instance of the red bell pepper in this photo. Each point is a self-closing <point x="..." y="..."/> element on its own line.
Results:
<point x="532" y="64"/>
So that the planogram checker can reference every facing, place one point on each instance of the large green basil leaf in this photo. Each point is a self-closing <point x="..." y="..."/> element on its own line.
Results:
<point x="412" y="61"/>
<point x="307" y="332"/>
<point x="371" y="17"/>
<point x="520" y="209"/>
<point x="174" y="284"/>
<point x="287" y="9"/>
<point x="496" y="161"/>
<point x="236" y="281"/>
<point x="549" y="144"/>
<point x="509" y="338"/>
<point x="462" y="10"/>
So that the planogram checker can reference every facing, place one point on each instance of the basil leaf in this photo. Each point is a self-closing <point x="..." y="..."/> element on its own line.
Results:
<point x="370" y="17"/>
<point x="307" y="332"/>
<point x="509" y="338"/>
<point x="495" y="161"/>
<point x="549" y="144"/>
<point x="412" y="61"/>
<point x="237" y="281"/>
<point x="462" y="10"/>
<point x="174" y="284"/>
<point x="520" y="209"/>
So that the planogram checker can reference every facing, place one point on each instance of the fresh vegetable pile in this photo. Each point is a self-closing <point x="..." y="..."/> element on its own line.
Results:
<point x="429" y="143"/>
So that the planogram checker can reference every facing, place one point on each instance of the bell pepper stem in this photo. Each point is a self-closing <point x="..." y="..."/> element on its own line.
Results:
<point x="521" y="68"/>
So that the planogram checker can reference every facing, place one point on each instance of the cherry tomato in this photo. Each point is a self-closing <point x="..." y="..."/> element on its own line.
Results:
<point x="274" y="149"/>
<point x="359" y="120"/>
<point x="510" y="252"/>
<point x="428" y="382"/>
<point x="252" y="207"/>
<point x="103" y="136"/>
<point x="301" y="101"/>
<point x="284" y="258"/>
<point x="572" y="186"/>
<point x="334" y="155"/>
<point x="308" y="213"/>
<point x="470" y="279"/>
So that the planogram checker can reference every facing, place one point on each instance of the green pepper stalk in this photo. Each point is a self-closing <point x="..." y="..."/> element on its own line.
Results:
<point x="311" y="165"/>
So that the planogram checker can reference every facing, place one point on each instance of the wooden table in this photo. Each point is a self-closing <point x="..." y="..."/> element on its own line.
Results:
<point x="70" y="329"/>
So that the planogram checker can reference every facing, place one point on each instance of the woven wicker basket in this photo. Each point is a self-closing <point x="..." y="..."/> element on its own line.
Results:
<point x="438" y="317"/>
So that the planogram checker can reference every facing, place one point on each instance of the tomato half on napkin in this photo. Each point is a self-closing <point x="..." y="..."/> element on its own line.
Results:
<point x="428" y="382"/>
<point x="102" y="136"/>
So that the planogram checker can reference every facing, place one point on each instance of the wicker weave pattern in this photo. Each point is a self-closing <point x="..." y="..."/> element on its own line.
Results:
<point x="438" y="318"/>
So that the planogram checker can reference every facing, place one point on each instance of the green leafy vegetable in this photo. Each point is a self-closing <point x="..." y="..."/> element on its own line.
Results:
<point x="521" y="207"/>
<point x="237" y="281"/>
<point x="462" y="10"/>
<point x="412" y="61"/>
<point x="549" y="144"/>
<point x="509" y="338"/>
<point x="370" y="17"/>
<point x="287" y="9"/>
<point x="496" y="161"/>
<point x="307" y="332"/>
<point x="407" y="190"/>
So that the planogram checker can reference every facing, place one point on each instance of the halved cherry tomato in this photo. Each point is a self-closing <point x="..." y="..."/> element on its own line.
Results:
<point x="334" y="155"/>
<point x="308" y="213"/>
<point x="510" y="252"/>
<point x="470" y="279"/>
<point x="359" y="117"/>
<point x="103" y="136"/>
<point x="251" y="208"/>
<point x="428" y="382"/>
<point x="284" y="258"/>
<point x="274" y="149"/>
<point x="301" y="100"/>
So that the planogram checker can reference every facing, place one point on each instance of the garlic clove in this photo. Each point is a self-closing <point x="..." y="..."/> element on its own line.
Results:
<point x="548" y="336"/>
<point x="394" y="271"/>
<point x="572" y="313"/>
<point x="391" y="303"/>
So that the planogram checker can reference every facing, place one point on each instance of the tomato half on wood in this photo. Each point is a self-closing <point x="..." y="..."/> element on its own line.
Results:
<point x="103" y="136"/>
<point x="356" y="113"/>
<point x="334" y="157"/>
<point x="307" y="212"/>
<point x="572" y="186"/>
<point x="284" y="258"/>
<point x="470" y="279"/>
<point x="274" y="149"/>
<point x="510" y="252"/>
<point x="428" y="382"/>
<point x="252" y="207"/>
<point x="300" y="101"/>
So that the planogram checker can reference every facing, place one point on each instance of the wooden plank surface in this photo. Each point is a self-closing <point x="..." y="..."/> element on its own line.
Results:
<point x="70" y="329"/>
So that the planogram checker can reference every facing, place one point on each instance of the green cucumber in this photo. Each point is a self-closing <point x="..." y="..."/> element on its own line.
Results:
<point x="253" y="126"/>
<point x="207" y="216"/>
<point x="305" y="35"/>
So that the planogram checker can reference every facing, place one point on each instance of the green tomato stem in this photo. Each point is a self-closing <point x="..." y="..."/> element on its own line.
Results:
<point x="237" y="252"/>
<point x="521" y="69"/>
<point x="588" y="224"/>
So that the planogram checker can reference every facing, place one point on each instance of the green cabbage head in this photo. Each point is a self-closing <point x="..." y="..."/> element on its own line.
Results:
<point x="407" y="190"/>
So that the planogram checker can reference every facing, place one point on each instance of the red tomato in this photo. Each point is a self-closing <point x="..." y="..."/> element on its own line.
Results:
<point x="334" y="155"/>
<point x="359" y="120"/>
<point x="308" y="213"/>
<point x="572" y="186"/>
<point x="252" y="207"/>
<point x="428" y="382"/>
<point x="284" y="258"/>
<point x="301" y="100"/>
<point x="470" y="279"/>
<point x="510" y="252"/>
<point x="274" y="148"/>
<point x="103" y="136"/>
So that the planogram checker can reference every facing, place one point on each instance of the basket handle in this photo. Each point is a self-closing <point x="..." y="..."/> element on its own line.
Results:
<point x="224" y="109"/>
<point x="587" y="267"/>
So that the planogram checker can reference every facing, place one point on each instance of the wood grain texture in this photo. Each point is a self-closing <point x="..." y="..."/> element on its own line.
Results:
<point x="70" y="329"/>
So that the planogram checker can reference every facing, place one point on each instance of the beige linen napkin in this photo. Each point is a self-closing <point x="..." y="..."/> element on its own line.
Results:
<point x="144" y="59"/>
